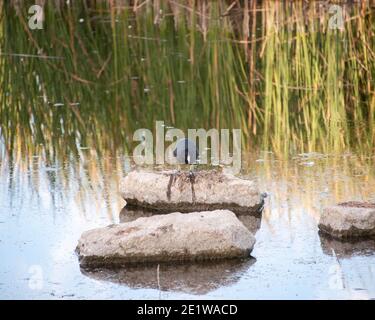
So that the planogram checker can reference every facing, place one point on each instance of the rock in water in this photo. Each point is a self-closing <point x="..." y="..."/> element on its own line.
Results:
<point x="349" y="220"/>
<point x="128" y="214"/>
<point x="171" y="237"/>
<point x="187" y="192"/>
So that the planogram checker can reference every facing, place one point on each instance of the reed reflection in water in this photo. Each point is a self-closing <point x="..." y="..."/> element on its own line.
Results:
<point x="60" y="201"/>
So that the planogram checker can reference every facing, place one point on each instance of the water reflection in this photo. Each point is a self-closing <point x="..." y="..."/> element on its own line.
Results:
<point x="66" y="126"/>
<point x="193" y="278"/>
<point x="45" y="204"/>
<point x="346" y="248"/>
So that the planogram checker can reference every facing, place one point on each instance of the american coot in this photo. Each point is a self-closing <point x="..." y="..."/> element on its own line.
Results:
<point x="186" y="151"/>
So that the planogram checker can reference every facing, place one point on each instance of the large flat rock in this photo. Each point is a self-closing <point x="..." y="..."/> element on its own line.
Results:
<point x="170" y="237"/>
<point x="349" y="220"/>
<point x="187" y="192"/>
<point x="128" y="214"/>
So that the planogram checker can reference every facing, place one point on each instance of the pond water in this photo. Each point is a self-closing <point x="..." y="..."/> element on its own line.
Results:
<point x="73" y="93"/>
<point x="43" y="211"/>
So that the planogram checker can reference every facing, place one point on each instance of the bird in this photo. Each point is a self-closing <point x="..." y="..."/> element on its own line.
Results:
<point x="186" y="152"/>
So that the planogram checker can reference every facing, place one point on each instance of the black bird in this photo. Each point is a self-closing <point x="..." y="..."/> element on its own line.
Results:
<point x="186" y="151"/>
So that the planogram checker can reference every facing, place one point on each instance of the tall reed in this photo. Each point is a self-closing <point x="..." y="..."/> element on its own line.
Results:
<point x="100" y="70"/>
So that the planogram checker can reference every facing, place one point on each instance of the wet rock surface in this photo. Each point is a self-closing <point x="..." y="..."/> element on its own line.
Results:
<point x="169" y="237"/>
<point x="129" y="213"/>
<point x="349" y="220"/>
<point x="186" y="191"/>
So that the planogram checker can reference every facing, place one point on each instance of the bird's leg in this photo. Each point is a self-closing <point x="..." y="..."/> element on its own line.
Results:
<point x="192" y="169"/>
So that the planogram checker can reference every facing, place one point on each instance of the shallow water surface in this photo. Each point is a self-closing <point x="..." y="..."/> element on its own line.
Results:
<point x="44" y="209"/>
<point x="74" y="92"/>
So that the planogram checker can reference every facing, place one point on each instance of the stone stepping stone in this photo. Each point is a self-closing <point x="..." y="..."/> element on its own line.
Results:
<point x="183" y="191"/>
<point x="170" y="237"/>
<point x="349" y="220"/>
<point x="128" y="214"/>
